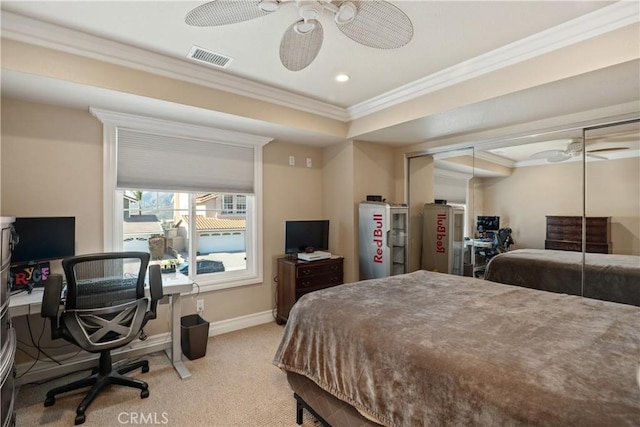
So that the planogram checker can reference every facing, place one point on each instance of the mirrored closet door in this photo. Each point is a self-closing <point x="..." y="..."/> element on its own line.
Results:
<point x="441" y="211"/>
<point x="612" y="212"/>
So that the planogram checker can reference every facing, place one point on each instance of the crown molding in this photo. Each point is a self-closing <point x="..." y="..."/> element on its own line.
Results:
<point x="598" y="22"/>
<point x="445" y="173"/>
<point x="490" y="157"/>
<point x="44" y="34"/>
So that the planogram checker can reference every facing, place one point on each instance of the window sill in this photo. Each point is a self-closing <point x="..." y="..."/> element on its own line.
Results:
<point x="208" y="284"/>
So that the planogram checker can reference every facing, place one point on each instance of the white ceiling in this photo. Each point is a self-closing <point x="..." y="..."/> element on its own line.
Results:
<point x="445" y="33"/>
<point x="449" y="38"/>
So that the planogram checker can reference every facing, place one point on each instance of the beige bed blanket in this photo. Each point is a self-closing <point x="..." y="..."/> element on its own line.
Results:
<point x="606" y="276"/>
<point x="429" y="349"/>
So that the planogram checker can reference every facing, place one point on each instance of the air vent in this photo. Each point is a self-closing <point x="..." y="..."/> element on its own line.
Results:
<point x="208" y="57"/>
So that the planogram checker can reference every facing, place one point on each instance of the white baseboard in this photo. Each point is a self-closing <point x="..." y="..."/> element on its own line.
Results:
<point x="46" y="369"/>
<point x="242" y="322"/>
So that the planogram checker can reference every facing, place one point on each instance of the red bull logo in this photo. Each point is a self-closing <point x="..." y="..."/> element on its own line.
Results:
<point x="441" y="232"/>
<point x="377" y="238"/>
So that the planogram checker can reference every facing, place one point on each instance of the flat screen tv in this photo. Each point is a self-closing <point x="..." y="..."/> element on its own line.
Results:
<point x="300" y="236"/>
<point x="488" y="223"/>
<point x="44" y="238"/>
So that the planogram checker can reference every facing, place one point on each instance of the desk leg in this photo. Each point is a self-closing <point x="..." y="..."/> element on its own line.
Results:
<point x="175" y="352"/>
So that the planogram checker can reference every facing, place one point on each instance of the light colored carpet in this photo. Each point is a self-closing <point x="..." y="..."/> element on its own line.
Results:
<point x="235" y="384"/>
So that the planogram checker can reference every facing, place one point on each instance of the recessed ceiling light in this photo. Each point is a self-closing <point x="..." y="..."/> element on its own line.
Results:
<point x="342" y="78"/>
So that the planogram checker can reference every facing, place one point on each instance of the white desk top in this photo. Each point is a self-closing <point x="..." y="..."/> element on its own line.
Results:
<point x="23" y="303"/>
<point x="478" y="243"/>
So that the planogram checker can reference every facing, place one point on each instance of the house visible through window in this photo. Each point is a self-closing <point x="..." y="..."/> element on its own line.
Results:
<point x="192" y="201"/>
<point x="162" y="224"/>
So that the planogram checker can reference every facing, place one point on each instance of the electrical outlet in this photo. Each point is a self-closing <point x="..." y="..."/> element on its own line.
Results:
<point x="292" y="161"/>
<point x="200" y="305"/>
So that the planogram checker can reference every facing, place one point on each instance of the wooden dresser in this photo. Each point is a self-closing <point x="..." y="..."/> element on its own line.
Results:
<point x="565" y="233"/>
<point x="296" y="278"/>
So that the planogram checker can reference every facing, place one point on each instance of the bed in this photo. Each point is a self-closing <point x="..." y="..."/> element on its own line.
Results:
<point x="608" y="277"/>
<point x="427" y="348"/>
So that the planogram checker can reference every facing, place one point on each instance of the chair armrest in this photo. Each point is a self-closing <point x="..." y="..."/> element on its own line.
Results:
<point x="155" y="283"/>
<point x="51" y="297"/>
<point x="155" y="289"/>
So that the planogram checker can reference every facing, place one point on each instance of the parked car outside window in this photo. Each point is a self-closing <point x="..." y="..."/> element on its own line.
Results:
<point x="203" y="266"/>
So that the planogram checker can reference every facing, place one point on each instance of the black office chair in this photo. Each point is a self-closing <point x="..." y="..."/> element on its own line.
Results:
<point x="105" y="309"/>
<point x="502" y="242"/>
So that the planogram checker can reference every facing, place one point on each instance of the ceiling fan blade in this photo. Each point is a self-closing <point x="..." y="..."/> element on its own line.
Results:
<point x="224" y="12"/>
<point x="378" y="24"/>
<point x="605" y="150"/>
<point x="547" y="154"/>
<point x="595" y="156"/>
<point x="298" y="50"/>
<point x="559" y="158"/>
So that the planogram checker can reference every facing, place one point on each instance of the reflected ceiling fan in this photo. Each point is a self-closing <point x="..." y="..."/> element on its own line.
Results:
<point x="374" y="23"/>
<point x="574" y="149"/>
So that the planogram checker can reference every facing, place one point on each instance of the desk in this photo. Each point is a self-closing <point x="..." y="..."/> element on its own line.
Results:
<point x="173" y="284"/>
<point x="476" y="244"/>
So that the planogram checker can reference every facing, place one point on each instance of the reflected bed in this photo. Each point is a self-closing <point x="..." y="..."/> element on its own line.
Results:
<point x="607" y="277"/>
<point x="432" y="349"/>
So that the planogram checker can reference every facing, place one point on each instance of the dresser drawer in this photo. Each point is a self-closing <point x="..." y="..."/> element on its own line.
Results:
<point x="7" y="379"/>
<point x="317" y="269"/>
<point x="297" y="278"/>
<point x="302" y="291"/>
<point x="332" y="278"/>
<point x="563" y="245"/>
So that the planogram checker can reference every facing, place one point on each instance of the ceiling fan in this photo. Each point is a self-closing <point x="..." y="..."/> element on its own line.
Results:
<point x="374" y="23"/>
<point x="574" y="149"/>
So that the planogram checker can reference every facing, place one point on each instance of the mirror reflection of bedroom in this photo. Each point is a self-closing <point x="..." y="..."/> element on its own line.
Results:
<point x="523" y="199"/>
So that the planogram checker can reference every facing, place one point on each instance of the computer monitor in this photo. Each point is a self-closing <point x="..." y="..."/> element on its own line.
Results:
<point x="43" y="238"/>
<point x="488" y="223"/>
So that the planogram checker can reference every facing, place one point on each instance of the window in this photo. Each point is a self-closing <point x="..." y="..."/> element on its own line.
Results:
<point x="167" y="189"/>
<point x="234" y="204"/>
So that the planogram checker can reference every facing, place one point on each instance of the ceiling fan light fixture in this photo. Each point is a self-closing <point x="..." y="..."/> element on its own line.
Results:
<point x="304" y="27"/>
<point x="342" y="77"/>
<point x="268" y="5"/>
<point x="346" y="13"/>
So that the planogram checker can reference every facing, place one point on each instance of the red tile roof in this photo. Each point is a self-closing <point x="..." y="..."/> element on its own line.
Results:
<point x="204" y="223"/>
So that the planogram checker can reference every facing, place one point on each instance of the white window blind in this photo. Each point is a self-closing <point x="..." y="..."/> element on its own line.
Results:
<point x="159" y="162"/>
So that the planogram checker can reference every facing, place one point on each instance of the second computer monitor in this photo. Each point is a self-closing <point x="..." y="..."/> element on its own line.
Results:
<point x="488" y="223"/>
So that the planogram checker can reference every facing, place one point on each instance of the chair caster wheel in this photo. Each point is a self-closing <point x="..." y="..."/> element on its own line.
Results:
<point x="49" y="401"/>
<point x="145" y="369"/>
<point x="144" y="394"/>
<point x="80" y="419"/>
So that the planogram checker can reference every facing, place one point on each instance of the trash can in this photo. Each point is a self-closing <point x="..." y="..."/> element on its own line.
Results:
<point x="194" y="336"/>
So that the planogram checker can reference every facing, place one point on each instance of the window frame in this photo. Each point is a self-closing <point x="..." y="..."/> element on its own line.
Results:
<point x="113" y="197"/>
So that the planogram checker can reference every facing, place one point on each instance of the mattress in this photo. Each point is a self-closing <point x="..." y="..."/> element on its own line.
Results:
<point x="427" y="348"/>
<point x="607" y="277"/>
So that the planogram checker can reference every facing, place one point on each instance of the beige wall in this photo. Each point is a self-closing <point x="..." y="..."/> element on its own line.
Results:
<point x="290" y="193"/>
<point x="524" y="199"/>
<point x="338" y="202"/>
<point x="52" y="165"/>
